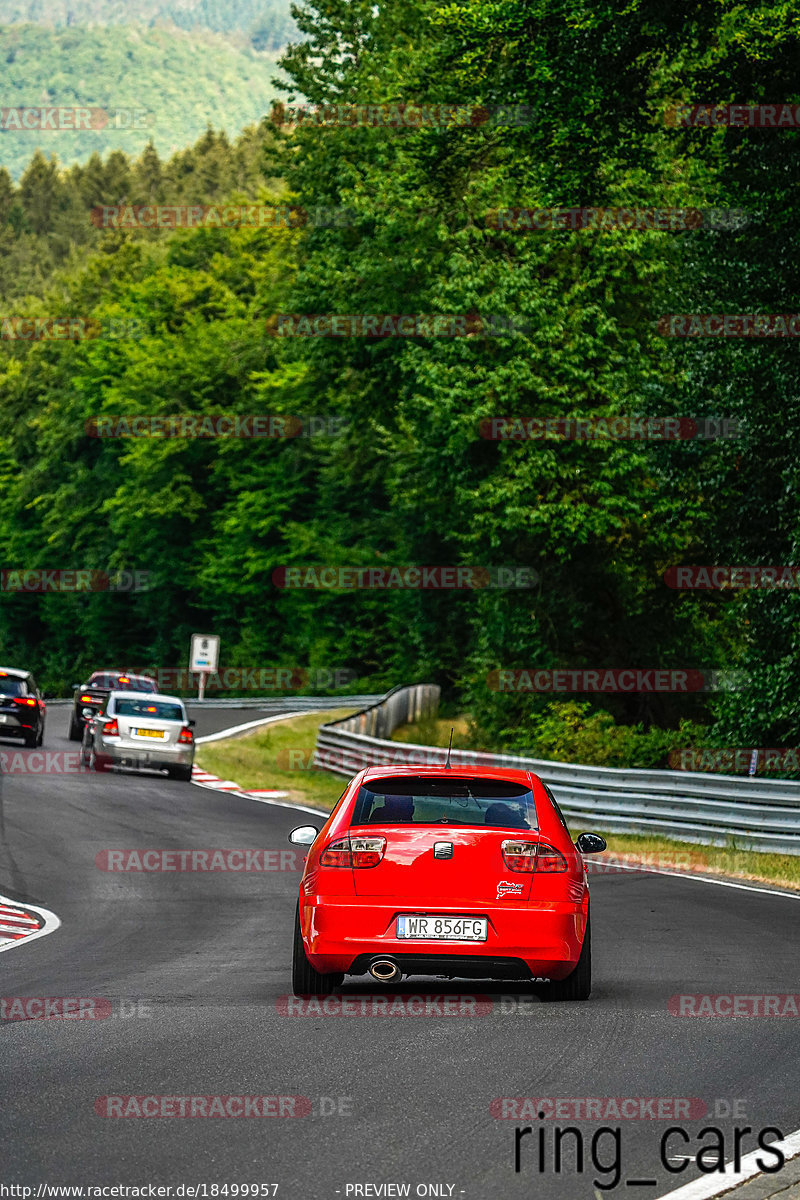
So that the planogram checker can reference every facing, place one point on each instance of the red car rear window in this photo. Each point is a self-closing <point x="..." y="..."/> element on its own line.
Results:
<point x="421" y="800"/>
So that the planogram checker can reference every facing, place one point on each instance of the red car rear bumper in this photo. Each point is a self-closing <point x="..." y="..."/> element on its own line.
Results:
<point x="546" y="935"/>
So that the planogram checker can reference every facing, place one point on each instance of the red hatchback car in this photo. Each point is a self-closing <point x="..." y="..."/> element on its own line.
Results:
<point x="444" y="871"/>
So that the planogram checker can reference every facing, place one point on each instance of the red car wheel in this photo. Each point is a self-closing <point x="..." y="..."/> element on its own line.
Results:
<point x="305" y="980"/>
<point x="578" y="984"/>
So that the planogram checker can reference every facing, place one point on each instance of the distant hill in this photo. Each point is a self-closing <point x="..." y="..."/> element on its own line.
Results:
<point x="184" y="81"/>
<point x="267" y="23"/>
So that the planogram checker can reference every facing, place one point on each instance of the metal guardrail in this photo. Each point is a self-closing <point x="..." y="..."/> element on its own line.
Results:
<point x="753" y="814"/>
<point x="400" y="706"/>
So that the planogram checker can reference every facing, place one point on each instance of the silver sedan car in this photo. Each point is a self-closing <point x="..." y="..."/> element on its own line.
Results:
<point x="140" y="729"/>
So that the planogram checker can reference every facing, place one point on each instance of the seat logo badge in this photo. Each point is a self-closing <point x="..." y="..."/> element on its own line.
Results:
<point x="504" y="888"/>
<point x="442" y="849"/>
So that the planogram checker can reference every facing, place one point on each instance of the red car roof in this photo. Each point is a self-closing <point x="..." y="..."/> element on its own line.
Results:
<point x="471" y="772"/>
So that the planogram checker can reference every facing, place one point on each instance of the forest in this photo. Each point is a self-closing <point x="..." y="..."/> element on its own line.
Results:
<point x="432" y="449"/>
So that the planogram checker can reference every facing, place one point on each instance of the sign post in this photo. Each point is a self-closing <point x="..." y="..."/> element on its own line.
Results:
<point x="204" y="658"/>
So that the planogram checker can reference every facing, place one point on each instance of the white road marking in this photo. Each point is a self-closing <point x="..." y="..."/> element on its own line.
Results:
<point x="708" y="1186"/>
<point x="260" y="798"/>
<point x="318" y="812"/>
<point x="234" y="729"/>
<point x="260" y="795"/>
<point x="742" y="887"/>
<point x="51" y="922"/>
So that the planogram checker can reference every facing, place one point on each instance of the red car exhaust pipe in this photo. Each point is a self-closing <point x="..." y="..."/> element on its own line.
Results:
<point x="384" y="970"/>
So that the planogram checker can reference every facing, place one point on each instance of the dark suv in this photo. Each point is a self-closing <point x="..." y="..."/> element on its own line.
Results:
<point x="93" y="695"/>
<point x="22" y="709"/>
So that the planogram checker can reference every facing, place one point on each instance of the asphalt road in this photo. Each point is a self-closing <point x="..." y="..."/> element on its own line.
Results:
<point x="199" y="960"/>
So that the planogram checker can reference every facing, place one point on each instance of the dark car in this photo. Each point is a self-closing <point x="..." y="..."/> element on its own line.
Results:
<point x="22" y="709"/>
<point x="90" y="697"/>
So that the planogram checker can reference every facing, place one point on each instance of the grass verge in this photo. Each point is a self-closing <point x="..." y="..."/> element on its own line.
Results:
<point x="435" y="731"/>
<point x="749" y="866"/>
<point x="275" y="757"/>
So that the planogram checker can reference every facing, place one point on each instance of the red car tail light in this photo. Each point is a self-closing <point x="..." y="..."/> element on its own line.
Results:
<point x="549" y="859"/>
<point x="532" y="856"/>
<point x="111" y="729"/>
<point x="367" y="851"/>
<point x="359" y="852"/>
<point x="337" y="854"/>
<point x="519" y="856"/>
<point x="186" y="735"/>
<point x="24" y="700"/>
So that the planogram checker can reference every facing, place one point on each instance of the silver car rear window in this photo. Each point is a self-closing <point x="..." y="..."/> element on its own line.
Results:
<point x="158" y="710"/>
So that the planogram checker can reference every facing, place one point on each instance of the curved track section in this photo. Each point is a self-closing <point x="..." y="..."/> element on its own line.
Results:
<point x="184" y="967"/>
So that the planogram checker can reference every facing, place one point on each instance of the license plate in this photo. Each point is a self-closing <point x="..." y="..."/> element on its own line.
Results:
<point x="445" y="929"/>
<point x="149" y="732"/>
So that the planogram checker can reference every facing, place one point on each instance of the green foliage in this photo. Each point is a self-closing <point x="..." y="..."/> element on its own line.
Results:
<point x="182" y="82"/>
<point x="572" y="731"/>
<point x="410" y="479"/>
<point x="47" y="222"/>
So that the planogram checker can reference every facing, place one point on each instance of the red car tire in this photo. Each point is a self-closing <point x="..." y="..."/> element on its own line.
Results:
<point x="578" y="984"/>
<point x="305" y="980"/>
